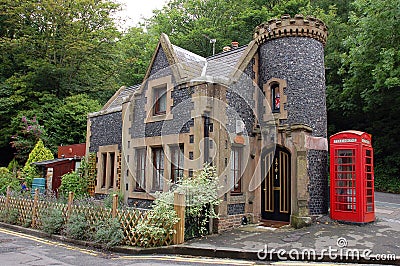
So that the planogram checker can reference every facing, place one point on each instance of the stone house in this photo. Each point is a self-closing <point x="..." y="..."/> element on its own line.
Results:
<point x="257" y="112"/>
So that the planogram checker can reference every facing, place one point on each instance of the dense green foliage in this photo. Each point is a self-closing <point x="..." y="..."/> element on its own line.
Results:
<point x="77" y="227"/>
<point x="9" y="215"/>
<point x="8" y="179"/>
<point x="74" y="182"/>
<point x="52" y="220"/>
<point x="109" y="232"/>
<point x="57" y="63"/>
<point x="61" y="60"/>
<point x="201" y="191"/>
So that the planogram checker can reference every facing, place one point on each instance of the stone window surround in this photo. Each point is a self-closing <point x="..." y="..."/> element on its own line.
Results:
<point x="149" y="171"/>
<point x="140" y="152"/>
<point x="153" y="85"/>
<point x="282" y="114"/>
<point x="108" y="149"/>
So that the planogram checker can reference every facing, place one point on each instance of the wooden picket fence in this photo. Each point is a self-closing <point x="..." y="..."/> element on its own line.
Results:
<point x="30" y="209"/>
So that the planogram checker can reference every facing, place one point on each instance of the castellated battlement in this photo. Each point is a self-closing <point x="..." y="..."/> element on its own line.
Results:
<point x="287" y="26"/>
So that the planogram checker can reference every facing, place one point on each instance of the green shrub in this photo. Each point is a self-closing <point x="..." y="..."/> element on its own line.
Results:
<point x="52" y="221"/>
<point x="7" y="179"/>
<point x="109" y="232"/>
<point x="39" y="153"/>
<point x="201" y="192"/>
<point x="28" y="222"/>
<point x="9" y="215"/>
<point x="74" y="182"/>
<point x="77" y="227"/>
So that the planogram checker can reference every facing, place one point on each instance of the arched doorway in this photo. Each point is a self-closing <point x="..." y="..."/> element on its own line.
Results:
<point x="275" y="188"/>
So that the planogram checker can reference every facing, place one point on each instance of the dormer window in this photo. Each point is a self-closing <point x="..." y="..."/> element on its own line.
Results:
<point x="276" y="98"/>
<point x="160" y="101"/>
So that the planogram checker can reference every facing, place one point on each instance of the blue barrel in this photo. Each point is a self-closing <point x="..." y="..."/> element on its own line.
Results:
<point x="39" y="183"/>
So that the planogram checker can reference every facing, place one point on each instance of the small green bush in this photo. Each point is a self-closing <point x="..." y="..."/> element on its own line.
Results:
<point x="109" y="232"/>
<point x="52" y="221"/>
<point x="7" y="179"/>
<point x="28" y="222"/>
<point x="9" y="216"/>
<point x="74" y="182"/>
<point x="201" y="191"/>
<point x="77" y="227"/>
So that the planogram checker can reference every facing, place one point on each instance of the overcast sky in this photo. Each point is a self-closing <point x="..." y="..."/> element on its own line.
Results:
<point x="134" y="10"/>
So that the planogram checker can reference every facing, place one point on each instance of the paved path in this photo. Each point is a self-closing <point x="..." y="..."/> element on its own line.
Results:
<point x="381" y="238"/>
<point x="387" y="206"/>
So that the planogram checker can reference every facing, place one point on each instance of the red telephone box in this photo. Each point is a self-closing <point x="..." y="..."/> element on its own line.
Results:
<point x="352" y="177"/>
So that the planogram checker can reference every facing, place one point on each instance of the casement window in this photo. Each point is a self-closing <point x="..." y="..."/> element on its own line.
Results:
<point x="104" y="167"/>
<point x="108" y="170"/>
<point x="275" y="97"/>
<point x="158" y="171"/>
<point x="112" y="169"/>
<point x="236" y="169"/>
<point x="160" y="101"/>
<point x="177" y="157"/>
<point x="140" y="169"/>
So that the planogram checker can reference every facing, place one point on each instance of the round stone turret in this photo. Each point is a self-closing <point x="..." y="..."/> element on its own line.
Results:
<point x="292" y="50"/>
<point x="295" y="27"/>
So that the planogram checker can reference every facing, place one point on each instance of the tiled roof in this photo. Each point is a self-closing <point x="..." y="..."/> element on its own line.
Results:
<point x="222" y="65"/>
<point x="217" y="68"/>
<point x="125" y="92"/>
<point x="191" y="63"/>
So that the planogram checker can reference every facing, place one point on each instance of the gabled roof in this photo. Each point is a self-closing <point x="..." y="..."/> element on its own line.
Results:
<point x="190" y="67"/>
<point x="187" y="66"/>
<point x="190" y="64"/>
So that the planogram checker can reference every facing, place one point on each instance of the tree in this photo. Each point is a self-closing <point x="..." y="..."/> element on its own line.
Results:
<point x="53" y="49"/>
<point x="24" y="141"/>
<point x="191" y="23"/>
<point x="38" y="154"/>
<point x="67" y="122"/>
<point x="136" y="49"/>
<point x="370" y="70"/>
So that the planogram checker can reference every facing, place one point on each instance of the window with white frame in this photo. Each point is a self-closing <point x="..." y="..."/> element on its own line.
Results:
<point x="158" y="170"/>
<point x="236" y="169"/>
<point x="140" y="169"/>
<point x="160" y="100"/>
<point x="177" y="157"/>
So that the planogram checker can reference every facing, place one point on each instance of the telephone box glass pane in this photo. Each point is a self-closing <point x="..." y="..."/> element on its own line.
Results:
<point x="345" y="190"/>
